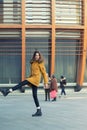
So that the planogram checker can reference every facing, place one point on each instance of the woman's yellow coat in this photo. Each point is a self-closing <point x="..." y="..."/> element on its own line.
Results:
<point x="37" y="69"/>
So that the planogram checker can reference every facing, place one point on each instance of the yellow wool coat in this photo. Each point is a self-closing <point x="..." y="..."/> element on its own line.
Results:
<point x="37" y="69"/>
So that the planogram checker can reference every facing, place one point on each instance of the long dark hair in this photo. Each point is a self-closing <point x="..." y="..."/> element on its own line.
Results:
<point x="40" y="60"/>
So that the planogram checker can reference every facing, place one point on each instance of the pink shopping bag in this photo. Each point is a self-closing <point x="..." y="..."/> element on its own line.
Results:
<point x="53" y="94"/>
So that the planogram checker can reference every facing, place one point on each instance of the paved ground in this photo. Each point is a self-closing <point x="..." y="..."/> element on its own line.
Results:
<point x="68" y="113"/>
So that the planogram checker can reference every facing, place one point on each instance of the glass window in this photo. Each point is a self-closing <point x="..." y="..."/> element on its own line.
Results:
<point x="1" y="11"/>
<point x="68" y="51"/>
<point x="10" y="56"/>
<point x="38" y="40"/>
<point x="10" y="11"/>
<point x="69" y="12"/>
<point x="85" y="76"/>
<point x="38" y="11"/>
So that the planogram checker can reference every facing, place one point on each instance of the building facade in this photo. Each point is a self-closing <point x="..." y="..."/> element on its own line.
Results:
<point x="57" y="28"/>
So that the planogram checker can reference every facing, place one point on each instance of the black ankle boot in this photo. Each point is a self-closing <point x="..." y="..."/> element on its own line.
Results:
<point x="5" y="92"/>
<point x="54" y="99"/>
<point x="38" y="113"/>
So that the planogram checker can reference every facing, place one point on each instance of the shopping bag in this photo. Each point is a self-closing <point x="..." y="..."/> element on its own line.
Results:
<point x="53" y="94"/>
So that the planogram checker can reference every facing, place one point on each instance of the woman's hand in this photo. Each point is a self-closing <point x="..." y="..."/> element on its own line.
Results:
<point x="45" y="85"/>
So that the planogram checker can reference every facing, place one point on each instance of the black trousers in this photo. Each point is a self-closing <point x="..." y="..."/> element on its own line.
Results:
<point x="47" y="94"/>
<point x="63" y="91"/>
<point x="34" y="90"/>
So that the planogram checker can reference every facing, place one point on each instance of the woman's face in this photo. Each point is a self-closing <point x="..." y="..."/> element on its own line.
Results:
<point x="37" y="56"/>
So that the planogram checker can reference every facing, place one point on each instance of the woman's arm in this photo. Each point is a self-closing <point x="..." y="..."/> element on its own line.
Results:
<point x="43" y="72"/>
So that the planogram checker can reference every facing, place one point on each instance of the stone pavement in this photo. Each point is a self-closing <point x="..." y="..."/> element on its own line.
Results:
<point x="65" y="114"/>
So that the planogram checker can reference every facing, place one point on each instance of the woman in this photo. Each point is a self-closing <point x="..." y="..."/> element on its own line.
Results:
<point x="37" y="68"/>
